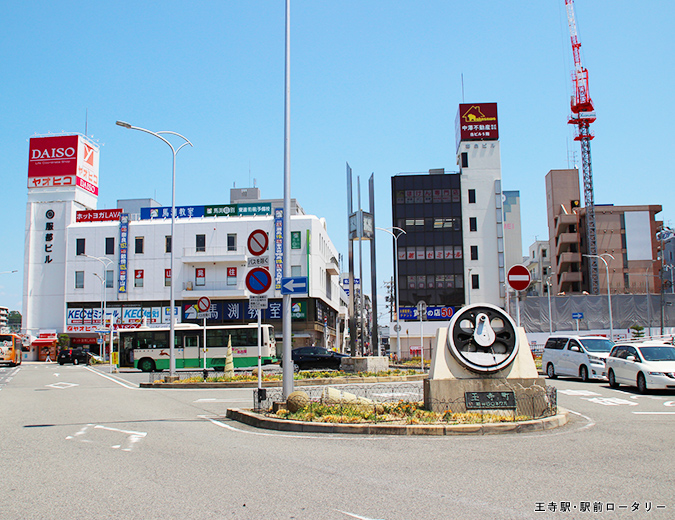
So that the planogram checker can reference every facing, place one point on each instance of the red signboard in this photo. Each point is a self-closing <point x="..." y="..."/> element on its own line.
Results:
<point x="519" y="277"/>
<point x="476" y="122"/>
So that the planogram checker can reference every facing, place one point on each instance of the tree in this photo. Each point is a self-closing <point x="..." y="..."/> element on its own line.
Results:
<point x="637" y="331"/>
<point x="14" y="320"/>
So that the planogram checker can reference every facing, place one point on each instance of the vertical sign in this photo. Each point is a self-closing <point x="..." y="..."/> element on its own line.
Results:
<point x="278" y="246"/>
<point x="124" y="236"/>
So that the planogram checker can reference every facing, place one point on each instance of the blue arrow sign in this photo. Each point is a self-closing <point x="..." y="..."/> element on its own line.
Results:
<point x="577" y="315"/>
<point x="294" y="285"/>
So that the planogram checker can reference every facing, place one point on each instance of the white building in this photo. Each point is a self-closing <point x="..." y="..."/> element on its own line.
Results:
<point x="79" y="259"/>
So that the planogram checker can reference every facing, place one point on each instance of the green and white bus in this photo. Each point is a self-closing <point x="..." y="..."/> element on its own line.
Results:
<point x="148" y="348"/>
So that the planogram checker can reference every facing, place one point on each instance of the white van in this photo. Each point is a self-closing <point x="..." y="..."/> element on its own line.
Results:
<point x="576" y="356"/>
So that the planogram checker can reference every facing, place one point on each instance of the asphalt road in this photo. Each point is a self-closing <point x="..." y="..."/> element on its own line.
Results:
<point x="78" y="443"/>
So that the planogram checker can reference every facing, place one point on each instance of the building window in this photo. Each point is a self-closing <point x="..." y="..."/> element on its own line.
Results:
<point x="231" y="242"/>
<point x="167" y="244"/>
<point x="296" y="270"/>
<point x="110" y="246"/>
<point x="465" y="160"/>
<point x="474" y="252"/>
<point x="473" y="224"/>
<point x="475" y="284"/>
<point x="472" y="196"/>
<point x="110" y="279"/>
<point x="138" y="278"/>
<point x="139" y="245"/>
<point x="543" y="253"/>
<point x="79" y="279"/>
<point x="167" y="276"/>
<point x="200" y="243"/>
<point x="79" y="246"/>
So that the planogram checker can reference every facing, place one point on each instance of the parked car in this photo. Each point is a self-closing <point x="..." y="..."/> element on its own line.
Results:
<point x="75" y="356"/>
<point x="576" y="356"/>
<point x="316" y="357"/>
<point x="645" y="365"/>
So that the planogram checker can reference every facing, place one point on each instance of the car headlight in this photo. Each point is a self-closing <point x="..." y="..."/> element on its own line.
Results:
<point x="657" y="374"/>
<point x="596" y="360"/>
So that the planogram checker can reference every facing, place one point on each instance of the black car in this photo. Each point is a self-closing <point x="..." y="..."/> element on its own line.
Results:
<point x="73" y="355"/>
<point x="316" y="357"/>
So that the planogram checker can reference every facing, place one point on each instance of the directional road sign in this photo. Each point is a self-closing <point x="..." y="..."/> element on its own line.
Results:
<point x="257" y="242"/>
<point x="519" y="277"/>
<point x="294" y="285"/>
<point x="577" y="315"/>
<point x="258" y="280"/>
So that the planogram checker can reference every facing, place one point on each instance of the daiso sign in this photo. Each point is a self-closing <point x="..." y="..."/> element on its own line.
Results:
<point x="63" y="161"/>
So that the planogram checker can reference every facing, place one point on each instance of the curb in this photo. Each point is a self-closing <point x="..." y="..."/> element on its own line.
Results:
<point x="299" y="382"/>
<point x="270" y="423"/>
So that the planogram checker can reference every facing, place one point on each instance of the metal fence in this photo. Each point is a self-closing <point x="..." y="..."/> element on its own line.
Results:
<point x="527" y="407"/>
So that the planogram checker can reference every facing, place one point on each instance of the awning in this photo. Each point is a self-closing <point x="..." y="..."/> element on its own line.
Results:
<point x="44" y="341"/>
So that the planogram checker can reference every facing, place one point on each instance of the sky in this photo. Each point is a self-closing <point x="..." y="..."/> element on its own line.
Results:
<point x="374" y="84"/>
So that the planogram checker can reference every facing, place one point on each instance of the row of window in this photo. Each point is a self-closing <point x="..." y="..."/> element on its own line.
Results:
<point x="432" y="196"/>
<point x="440" y="281"/>
<point x="139" y="244"/>
<point x="434" y="253"/>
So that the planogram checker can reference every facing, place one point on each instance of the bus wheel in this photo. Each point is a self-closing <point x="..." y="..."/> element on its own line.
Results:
<point x="146" y="365"/>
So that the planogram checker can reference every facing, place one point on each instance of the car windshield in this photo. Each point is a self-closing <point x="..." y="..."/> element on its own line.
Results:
<point x="597" y="344"/>
<point x="658" y="353"/>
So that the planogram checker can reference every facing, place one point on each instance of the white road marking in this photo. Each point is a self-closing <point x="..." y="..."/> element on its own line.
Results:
<point x="669" y="403"/>
<point x="654" y="413"/>
<point x="577" y="392"/>
<point x="214" y="400"/>
<point x="62" y="385"/>
<point x="121" y="383"/>
<point x="610" y="401"/>
<point x="355" y="516"/>
<point x="132" y="438"/>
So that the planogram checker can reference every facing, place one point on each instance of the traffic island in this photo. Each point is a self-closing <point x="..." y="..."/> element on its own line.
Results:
<point x="266" y="421"/>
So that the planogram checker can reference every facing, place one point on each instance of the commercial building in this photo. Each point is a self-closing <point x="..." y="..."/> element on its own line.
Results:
<point x="625" y="237"/>
<point x="80" y="260"/>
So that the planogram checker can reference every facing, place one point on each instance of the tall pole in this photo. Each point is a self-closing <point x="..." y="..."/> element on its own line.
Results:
<point x="174" y="151"/>
<point x="398" y="326"/>
<point x="287" y="376"/>
<point x="105" y="263"/>
<point x="649" y="311"/>
<point x="609" y="292"/>
<point x="550" y="315"/>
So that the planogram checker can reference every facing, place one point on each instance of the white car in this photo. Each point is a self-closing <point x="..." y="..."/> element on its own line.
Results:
<point x="646" y="365"/>
<point x="576" y="356"/>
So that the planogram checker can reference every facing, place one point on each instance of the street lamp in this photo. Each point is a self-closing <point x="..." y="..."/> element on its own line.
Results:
<point x="609" y="294"/>
<point x="172" y="329"/>
<point x="398" y="327"/>
<point x="550" y="315"/>
<point x="105" y="262"/>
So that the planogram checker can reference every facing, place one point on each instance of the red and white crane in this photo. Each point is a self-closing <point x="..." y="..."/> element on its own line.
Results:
<point x="582" y="116"/>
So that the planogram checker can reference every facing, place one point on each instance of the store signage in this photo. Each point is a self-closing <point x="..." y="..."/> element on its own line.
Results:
<point x="278" y="246"/>
<point x="95" y="215"/>
<point x="434" y="312"/>
<point x="490" y="400"/>
<point x="124" y="237"/>
<point x="476" y="122"/>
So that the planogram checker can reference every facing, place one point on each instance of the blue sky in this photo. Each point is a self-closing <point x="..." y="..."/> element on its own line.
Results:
<point x="373" y="83"/>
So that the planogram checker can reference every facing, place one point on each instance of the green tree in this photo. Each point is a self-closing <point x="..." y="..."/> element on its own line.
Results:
<point x="14" y="320"/>
<point x="637" y="331"/>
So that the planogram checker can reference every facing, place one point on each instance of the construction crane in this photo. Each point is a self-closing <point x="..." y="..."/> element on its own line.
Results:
<point x="582" y="116"/>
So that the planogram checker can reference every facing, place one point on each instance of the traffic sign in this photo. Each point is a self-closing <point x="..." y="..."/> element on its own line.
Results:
<point x="257" y="242"/>
<point x="258" y="261"/>
<point x="519" y="277"/>
<point x="257" y="302"/>
<point x="258" y="280"/>
<point x="577" y="315"/>
<point x="294" y="285"/>
<point x="204" y="304"/>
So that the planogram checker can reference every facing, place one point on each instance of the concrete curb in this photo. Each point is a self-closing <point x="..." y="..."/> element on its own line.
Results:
<point x="298" y="382"/>
<point x="271" y="423"/>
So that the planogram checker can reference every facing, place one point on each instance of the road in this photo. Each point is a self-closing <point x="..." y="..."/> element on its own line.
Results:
<point x="79" y="443"/>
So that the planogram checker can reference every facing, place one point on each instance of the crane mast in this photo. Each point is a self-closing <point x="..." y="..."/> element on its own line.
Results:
<point x="582" y="116"/>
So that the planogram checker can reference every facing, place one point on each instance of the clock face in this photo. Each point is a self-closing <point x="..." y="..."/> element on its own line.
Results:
<point x="483" y="338"/>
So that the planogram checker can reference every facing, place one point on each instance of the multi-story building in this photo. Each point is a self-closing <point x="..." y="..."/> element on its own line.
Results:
<point x="4" y="317"/>
<point x="539" y="264"/>
<point x="625" y="238"/>
<point x="79" y="260"/>
<point x="453" y="252"/>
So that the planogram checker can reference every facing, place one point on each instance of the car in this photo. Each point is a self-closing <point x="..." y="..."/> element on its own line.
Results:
<point x="75" y="356"/>
<point x="576" y="356"/>
<point x="316" y="357"/>
<point x="648" y="365"/>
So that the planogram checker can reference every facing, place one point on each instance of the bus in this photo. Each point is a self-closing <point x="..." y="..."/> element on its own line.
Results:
<point x="10" y="349"/>
<point x="148" y="348"/>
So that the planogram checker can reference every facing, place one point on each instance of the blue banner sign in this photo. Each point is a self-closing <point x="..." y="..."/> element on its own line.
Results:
<point x="434" y="312"/>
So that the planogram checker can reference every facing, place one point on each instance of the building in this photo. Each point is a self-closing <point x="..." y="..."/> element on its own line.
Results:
<point x="539" y="264"/>
<point x="4" y="319"/>
<point x="453" y="251"/>
<point x="513" y="233"/>
<point x="80" y="260"/>
<point x="626" y="239"/>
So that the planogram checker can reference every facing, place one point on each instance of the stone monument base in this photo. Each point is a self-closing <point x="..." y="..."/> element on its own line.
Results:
<point x="365" y="364"/>
<point x="443" y="394"/>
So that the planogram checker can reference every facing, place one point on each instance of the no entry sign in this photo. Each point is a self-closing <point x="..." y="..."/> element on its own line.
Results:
<point x="257" y="242"/>
<point x="258" y="280"/>
<point x="518" y="277"/>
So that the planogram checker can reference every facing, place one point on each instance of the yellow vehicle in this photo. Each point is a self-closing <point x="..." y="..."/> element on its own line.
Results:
<point x="10" y="349"/>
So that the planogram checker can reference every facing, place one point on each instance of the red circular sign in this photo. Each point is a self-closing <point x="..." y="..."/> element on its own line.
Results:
<point x="258" y="280"/>
<point x="518" y="277"/>
<point x="204" y="304"/>
<point x="257" y="242"/>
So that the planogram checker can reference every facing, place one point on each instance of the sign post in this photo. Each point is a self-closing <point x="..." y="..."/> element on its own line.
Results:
<point x="577" y="316"/>
<point x="421" y="312"/>
<point x="203" y="305"/>
<point x="518" y="278"/>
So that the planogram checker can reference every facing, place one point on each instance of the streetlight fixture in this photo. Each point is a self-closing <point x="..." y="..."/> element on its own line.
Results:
<point x="398" y="326"/>
<point x="172" y="328"/>
<point x="609" y="294"/>
<point x="105" y="263"/>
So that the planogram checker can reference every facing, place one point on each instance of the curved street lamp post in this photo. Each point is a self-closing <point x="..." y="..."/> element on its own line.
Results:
<point x="172" y="328"/>
<point x="398" y="326"/>
<point x="609" y="294"/>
